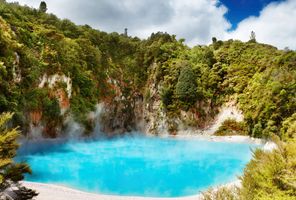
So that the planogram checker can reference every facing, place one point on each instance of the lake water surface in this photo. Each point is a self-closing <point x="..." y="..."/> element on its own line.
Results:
<point x="139" y="166"/>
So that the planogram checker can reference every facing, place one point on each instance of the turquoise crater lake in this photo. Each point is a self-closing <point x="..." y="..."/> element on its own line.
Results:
<point x="137" y="166"/>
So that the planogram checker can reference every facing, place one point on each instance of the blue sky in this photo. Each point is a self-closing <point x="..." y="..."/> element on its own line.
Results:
<point x="241" y="9"/>
<point x="197" y="21"/>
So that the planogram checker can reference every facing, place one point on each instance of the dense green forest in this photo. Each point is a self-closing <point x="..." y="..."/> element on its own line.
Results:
<point x="100" y="65"/>
<point x="34" y="43"/>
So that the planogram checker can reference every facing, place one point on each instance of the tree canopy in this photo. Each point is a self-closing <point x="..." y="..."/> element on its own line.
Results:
<point x="43" y="7"/>
<point x="102" y="66"/>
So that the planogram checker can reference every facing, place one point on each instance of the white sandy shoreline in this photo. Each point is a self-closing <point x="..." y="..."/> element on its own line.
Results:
<point x="57" y="192"/>
<point x="232" y="139"/>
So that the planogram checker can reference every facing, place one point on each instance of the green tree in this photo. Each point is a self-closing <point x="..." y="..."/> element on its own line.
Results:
<point x="186" y="86"/>
<point x="252" y="37"/>
<point x="43" y="7"/>
<point x="9" y="170"/>
<point x="271" y="175"/>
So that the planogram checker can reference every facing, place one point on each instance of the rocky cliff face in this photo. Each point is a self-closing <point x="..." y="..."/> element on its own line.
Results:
<point x="131" y="111"/>
<point x="127" y="111"/>
<point x="60" y="87"/>
<point x="145" y="113"/>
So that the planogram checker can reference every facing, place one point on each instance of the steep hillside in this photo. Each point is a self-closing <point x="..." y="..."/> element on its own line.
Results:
<point x="54" y="73"/>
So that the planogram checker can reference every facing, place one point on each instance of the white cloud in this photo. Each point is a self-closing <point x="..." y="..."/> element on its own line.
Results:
<point x="275" y="25"/>
<point x="195" y="20"/>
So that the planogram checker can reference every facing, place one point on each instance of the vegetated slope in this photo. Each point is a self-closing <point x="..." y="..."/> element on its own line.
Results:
<point x="52" y="70"/>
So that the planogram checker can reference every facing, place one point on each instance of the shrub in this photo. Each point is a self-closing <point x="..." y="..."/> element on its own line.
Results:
<point x="231" y="127"/>
<point x="268" y="176"/>
<point x="271" y="175"/>
<point x="222" y="193"/>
